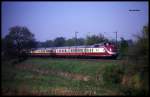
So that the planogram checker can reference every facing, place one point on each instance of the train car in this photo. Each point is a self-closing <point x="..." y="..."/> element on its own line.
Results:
<point x="96" y="50"/>
<point x="41" y="52"/>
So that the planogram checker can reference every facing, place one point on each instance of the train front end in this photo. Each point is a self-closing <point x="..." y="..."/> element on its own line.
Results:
<point x="111" y="50"/>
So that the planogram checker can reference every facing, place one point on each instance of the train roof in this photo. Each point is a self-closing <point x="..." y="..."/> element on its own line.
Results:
<point x="48" y="48"/>
<point x="83" y="46"/>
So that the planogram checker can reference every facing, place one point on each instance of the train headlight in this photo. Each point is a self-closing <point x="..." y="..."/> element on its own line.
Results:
<point x="110" y="49"/>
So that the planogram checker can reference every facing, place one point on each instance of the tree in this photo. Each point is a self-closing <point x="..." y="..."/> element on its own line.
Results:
<point x="80" y="41"/>
<point x="71" y="42"/>
<point x="123" y="46"/>
<point x="137" y="64"/>
<point x="47" y="43"/>
<point x="90" y="40"/>
<point x="59" y="41"/>
<point x="19" y="40"/>
<point x="140" y="50"/>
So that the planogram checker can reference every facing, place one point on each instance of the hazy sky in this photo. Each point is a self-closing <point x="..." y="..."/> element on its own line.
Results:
<point x="48" y="20"/>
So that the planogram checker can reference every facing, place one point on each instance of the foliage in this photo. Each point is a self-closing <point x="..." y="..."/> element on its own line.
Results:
<point x="90" y="40"/>
<point x="123" y="48"/>
<point x="48" y="43"/>
<point x="19" y="40"/>
<point x="29" y="76"/>
<point x="59" y="41"/>
<point x="139" y="52"/>
<point x="136" y="65"/>
<point x="113" y="74"/>
<point x="71" y="41"/>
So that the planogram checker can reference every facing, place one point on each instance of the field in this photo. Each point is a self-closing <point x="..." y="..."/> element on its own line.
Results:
<point x="48" y="76"/>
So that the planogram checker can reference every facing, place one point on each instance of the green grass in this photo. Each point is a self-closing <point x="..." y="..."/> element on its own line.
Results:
<point x="75" y="66"/>
<point x="16" y="79"/>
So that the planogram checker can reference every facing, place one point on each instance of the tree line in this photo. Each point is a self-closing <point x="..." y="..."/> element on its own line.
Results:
<point x="62" y="41"/>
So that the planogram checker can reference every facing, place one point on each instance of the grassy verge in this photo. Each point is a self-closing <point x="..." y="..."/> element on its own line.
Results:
<point x="46" y="76"/>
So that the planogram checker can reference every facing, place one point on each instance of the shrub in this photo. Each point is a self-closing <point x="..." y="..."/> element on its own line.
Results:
<point x="113" y="74"/>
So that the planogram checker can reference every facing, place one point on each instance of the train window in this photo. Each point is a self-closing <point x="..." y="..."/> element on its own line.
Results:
<point x="78" y="50"/>
<point x="87" y="50"/>
<point x="96" y="49"/>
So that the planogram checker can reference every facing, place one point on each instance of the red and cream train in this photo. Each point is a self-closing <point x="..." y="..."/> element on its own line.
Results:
<point x="97" y="50"/>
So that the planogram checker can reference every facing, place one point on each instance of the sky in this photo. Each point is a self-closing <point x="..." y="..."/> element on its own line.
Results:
<point x="48" y="20"/>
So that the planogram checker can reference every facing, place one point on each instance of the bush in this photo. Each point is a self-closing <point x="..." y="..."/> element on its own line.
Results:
<point x="113" y="74"/>
<point x="135" y="84"/>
